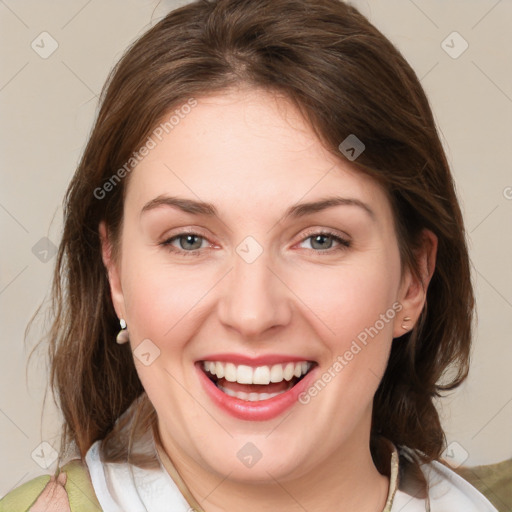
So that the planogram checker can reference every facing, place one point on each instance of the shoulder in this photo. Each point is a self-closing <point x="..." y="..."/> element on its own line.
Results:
<point x="76" y="487"/>
<point x="448" y="489"/>
<point x="447" y="492"/>
<point x="23" y="497"/>
<point x="132" y="487"/>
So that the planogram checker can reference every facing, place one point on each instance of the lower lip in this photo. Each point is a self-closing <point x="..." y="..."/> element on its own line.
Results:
<point x="254" y="411"/>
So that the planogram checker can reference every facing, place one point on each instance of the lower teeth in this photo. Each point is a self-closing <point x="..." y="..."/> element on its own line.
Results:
<point x="250" y="397"/>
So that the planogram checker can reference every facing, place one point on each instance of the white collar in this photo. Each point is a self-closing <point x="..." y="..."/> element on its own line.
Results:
<point x="124" y="487"/>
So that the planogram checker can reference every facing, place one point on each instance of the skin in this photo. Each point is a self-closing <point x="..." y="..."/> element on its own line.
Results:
<point x="252" y="156"/>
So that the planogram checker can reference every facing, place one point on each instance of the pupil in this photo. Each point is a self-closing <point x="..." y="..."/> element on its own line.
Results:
<point x="190" y="240"/>
<point x="319" y="239"/>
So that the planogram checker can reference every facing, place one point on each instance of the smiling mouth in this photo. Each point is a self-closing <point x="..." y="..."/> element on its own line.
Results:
<point x="254" y="384"/>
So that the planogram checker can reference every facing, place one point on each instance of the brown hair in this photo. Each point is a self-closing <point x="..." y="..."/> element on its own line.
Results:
<point x="346" y="78"/>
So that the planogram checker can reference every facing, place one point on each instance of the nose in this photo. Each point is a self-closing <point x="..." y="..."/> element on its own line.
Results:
<point x="254" y="299"/>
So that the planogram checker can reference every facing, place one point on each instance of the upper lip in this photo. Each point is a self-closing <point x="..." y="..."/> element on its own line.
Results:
<point x="262" y="360"/>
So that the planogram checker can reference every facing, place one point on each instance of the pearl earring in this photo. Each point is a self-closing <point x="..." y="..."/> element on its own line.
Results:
<point x="406" y="319"/>
<point x="122" y="335"/>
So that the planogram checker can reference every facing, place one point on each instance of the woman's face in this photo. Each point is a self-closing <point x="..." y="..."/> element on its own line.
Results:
<point x="246" y="245"/>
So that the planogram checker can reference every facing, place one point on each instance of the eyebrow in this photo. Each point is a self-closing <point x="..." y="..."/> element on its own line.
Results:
<point x="296" y="211"/>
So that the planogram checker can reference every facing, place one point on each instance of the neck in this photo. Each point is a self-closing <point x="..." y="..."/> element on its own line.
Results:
<point x="347" y="480"/>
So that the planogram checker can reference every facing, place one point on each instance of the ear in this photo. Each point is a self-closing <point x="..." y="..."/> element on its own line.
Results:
<point x="113" y="271"/>
<point x="413" y="290"/>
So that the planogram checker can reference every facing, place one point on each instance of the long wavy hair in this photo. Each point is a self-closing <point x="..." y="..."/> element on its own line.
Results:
<point x="346" y="78"/>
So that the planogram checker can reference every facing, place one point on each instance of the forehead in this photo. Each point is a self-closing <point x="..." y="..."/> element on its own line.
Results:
<point x="246" y="149"/>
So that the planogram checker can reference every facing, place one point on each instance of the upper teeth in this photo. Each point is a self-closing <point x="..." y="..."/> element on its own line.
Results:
<point x="244" y="374"/>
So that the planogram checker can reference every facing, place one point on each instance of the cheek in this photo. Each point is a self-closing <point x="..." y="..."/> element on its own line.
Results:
<point x="161" y="299"/>
<point x="353" y="308"/>
<point x="347" y="299"/>
<point x="163" y="304"/>
<point x="353" y="313"/>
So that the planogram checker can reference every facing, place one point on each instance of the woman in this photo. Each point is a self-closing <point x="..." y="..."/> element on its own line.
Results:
<point x="261" y="215"/>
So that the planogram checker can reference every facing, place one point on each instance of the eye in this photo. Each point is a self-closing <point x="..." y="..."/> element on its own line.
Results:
<point x="188" y="244"/>
<point x="324" y="240"/>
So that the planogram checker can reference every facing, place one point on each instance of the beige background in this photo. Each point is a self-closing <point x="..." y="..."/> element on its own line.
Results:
<point x="47" y="108"/>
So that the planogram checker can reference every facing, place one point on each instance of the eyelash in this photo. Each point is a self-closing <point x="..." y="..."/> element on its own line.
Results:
<point x="343" y="243"/>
